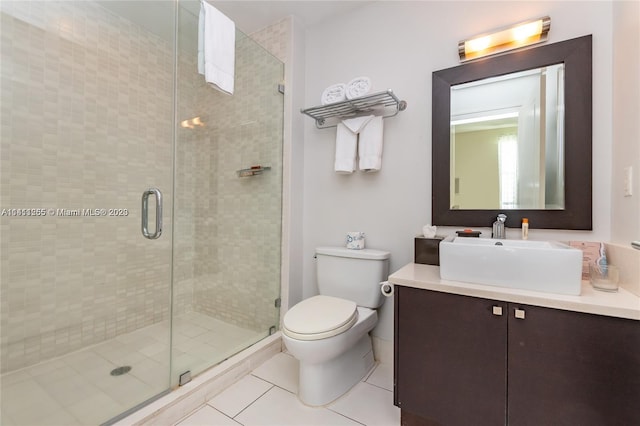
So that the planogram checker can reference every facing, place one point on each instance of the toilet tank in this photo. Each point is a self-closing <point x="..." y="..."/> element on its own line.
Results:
<point x="352" y="274"/>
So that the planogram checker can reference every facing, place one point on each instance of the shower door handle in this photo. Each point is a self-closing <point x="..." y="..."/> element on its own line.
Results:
<point x="145" y="213"/>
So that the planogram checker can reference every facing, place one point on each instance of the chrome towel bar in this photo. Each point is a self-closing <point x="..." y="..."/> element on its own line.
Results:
<point x="386" y="102"/>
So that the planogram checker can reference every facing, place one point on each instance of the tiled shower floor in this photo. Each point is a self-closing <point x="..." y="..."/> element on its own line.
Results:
<point x="78" y="389"/>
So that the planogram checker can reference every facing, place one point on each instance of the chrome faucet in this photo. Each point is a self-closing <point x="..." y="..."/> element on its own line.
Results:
<point x="498" y="227"/>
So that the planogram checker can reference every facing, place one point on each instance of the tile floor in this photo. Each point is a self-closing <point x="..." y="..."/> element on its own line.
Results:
<point x="267" y="396"/>
<point x="77" y="388"/>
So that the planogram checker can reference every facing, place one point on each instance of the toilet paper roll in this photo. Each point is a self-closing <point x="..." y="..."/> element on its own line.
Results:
<point x="387" y="289"/>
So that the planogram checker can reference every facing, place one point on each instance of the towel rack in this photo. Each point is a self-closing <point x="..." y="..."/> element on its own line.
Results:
<point x="386" y="101"/>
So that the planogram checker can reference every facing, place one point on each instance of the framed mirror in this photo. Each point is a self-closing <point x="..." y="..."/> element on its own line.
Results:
<point x="512" y="134"/>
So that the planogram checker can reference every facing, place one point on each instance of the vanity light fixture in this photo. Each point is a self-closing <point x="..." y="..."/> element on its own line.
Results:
<point x="514" y="37"/>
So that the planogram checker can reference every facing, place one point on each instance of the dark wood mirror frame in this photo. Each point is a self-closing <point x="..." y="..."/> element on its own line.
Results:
<point x="576" y="54"/>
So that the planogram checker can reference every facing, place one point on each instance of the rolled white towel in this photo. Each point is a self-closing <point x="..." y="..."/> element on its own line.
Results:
<point x="357" y="87"/>
<point x="334" y="93"/>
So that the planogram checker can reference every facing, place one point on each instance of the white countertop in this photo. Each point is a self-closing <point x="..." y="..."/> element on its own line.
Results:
<point x="622" y="304"/>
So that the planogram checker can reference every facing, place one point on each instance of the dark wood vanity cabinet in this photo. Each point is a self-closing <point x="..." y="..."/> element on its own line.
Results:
<point x="571" y="368"/>
<point x="450" y="358"/>
<point x="463" y="360"/>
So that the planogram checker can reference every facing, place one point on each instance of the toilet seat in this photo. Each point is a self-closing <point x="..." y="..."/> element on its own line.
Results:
<point x="319" y="317"/>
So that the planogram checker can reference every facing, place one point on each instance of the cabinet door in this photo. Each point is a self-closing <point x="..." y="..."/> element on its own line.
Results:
<point x="450" y="358"/>
<point x="569" y="368"/>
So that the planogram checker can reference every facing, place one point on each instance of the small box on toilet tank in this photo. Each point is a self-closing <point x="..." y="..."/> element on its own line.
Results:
<point x="427" y="250"/>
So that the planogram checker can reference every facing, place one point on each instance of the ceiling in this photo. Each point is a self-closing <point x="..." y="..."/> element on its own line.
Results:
<point x="252" y="15"/>
<point x="249" y="16"/>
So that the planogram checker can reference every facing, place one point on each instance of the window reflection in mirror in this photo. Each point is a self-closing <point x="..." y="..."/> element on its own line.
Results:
<point x="507" y="147"/>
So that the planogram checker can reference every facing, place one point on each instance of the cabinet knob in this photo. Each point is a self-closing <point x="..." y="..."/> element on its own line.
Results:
<point x="497" y="310"/>
<point x="519" y="313"/>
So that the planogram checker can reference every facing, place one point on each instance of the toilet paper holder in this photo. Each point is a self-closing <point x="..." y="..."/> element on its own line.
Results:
<point x="387" y="289"/>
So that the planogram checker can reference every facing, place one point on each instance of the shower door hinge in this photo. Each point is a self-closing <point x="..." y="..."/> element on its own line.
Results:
<point x="281" y="88"/>
<point x="184" y="378"/>
<point x="272" y="330"/>
<point x="277" y="302"/>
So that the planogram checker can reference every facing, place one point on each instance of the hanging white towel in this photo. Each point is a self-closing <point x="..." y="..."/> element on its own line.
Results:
<point x="357" y="124"/>
<point x="370" y="146"/>
<point x="216" y="48"/>
<point x="346" y="146"/>
<point x="347" y="143"/>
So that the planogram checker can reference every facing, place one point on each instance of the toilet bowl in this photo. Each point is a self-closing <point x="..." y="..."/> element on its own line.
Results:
<point x="329" y="333"/>
<point x="330" y="366"/>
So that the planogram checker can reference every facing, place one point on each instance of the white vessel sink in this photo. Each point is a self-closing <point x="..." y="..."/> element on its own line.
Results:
<point x="545" y="266"/>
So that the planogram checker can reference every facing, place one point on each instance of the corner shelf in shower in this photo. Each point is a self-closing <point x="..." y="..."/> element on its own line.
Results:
<point x="252" y="171"/>
<point x="386" y="101"/>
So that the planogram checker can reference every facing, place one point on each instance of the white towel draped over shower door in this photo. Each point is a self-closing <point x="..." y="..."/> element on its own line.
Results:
<point x="216" y="48"/>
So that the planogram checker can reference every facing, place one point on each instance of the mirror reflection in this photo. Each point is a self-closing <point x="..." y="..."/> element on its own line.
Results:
<point x="507" y="141"/>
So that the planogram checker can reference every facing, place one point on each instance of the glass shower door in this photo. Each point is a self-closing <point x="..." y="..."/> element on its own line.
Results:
<point x="87" y="129"/>
<point x="228" y="203"/>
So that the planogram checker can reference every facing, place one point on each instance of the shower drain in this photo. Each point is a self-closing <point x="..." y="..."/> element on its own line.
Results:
<point x="120" y="370"/>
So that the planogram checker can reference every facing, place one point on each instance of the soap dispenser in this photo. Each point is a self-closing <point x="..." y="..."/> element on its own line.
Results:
<point x="498" y="227"/>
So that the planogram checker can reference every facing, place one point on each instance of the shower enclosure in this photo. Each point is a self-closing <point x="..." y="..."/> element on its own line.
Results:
<point x="101" y="103"/>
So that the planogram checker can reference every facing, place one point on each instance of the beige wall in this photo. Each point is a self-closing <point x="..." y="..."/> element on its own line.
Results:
<point x="476" y="165"/>
<point x="625" y="210"/>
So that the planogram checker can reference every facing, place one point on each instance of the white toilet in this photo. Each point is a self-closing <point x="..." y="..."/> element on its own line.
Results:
<point x="329" y="333"/>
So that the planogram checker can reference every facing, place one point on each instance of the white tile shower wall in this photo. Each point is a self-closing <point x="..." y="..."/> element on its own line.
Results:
<point x="275" y="38"/>
<point x="86" y="108"/>
<point x="236" y="247"/>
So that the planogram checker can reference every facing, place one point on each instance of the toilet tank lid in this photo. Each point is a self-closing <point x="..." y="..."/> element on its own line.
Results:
<point x="356" y="254"/>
